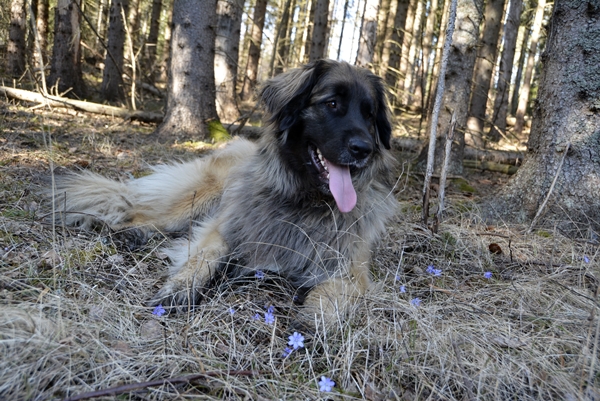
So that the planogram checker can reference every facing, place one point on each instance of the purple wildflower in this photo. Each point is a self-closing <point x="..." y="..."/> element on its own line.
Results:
<point x="159" y="311"/>
<point x="259" y="274"/>
<point x="432" y="270"/>
<point x="286" y="352"/>
<point x="586" y="259"/>
<point x="326" y="384"/>
<point x="257" y="316"/>
<point x="403" y="289"/>
<point x="487" y="275"/>
<point x="269" y="318"/>
<point x="296" y="340"/>
<point x="416" y="302"/>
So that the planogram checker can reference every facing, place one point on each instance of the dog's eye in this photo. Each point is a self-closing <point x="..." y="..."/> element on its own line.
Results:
<point x="332" y="104"/>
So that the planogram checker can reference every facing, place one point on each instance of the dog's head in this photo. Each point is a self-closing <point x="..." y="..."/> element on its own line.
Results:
<point x="331" y="119"/>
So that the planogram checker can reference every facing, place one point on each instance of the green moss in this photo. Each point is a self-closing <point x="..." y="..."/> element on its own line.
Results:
<point x="464" y="185"/>
<point x="218" y="133"/>
<point x="543" y="234"/>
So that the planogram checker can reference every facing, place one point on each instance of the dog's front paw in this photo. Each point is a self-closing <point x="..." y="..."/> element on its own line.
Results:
<point x="177" y="295"/>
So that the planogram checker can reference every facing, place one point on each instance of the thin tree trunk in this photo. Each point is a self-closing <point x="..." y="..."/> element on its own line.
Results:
<point x="41" y="24"/>
<point x="500" y="109"/>
<point x="409" y="27"/>
<point x="427" y="49"/>
<point x="413" y="55"/>
<point x="191" y="104"/>
<point x="339" y="51"/>
<point x="65" y="67"/>
<point x="383" y="28"/>
<point x="514" y="99"/>
<point x="16" y="38"/>
<point x="229" y="22"/>
<point x="152" y="40"/>
<point x="483" y="72"/>
<point x="392" y="50"/>
<point x="278" y="61"/>
<point x="112" y="78"/>
<point x="166" y="47"/>
<point x="368" y="34"/>
<point x="527" y="78"/>
<point x="319" y="32"/>
<point x="251" y="76"/>
<point x="459" y="74"/>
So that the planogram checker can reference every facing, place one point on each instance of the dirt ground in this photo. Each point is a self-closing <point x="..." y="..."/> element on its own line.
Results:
<point x="512" y="315"/>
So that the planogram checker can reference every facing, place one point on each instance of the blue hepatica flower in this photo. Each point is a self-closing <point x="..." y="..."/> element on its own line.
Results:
<point x="269" y="318"/>
<point x="286" y="352"/>
<point x="432" y="270"/>
<point x="231" y="311"/>
<point x="403" y="289"/>
<point x="586" y="259"/>
<point x="487" y="275"/>
<point x="415" y="302"/>
<point x="257" y="316"/>
<point x="259" y="274"/>
<point x="271" y="309"/>
<point x="159" y="311"/>
<point x="296" y="340"/>
<point x="326" y="384"/>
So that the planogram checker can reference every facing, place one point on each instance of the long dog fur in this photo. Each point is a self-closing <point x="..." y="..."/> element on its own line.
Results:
<point x="253" y="208"/>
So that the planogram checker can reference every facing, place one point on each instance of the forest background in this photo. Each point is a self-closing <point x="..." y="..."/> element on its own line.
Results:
<point x="92" y="85"/>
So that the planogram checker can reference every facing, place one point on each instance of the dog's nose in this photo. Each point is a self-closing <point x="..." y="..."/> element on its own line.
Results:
<point x="359" y="149"/>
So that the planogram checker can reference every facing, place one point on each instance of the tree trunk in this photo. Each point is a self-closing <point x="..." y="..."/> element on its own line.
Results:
<point x="152" y="40"/>
<point x="41" y="25"/>
<point x="527" y="78"/>
<point x="514" y="99"/>
<point x="406" y="41"/>
<point x="459" y="74"/>
<point x="191" y="87"/>
<point x="382" y="17"/>
<point x="16" y="38"/>
<point x="392" y="49"/>
<point x="500" y="110"/>
<point x="483" y="71"/>
<point x="65" y="67"/>
<point x="250" y="79"/>
<point x="412" y="56"/>
<point x="278" y="56"/>
<point x="163" y="74"/>
<point x="563" y="145"/>
<point x="368" y="34"/>
<point x="318" y="42"/>
<point x="229" y="22"/>
<point x="346" y="4"/>
<point x="426" y="46"/>
<point x="112" y="78"/>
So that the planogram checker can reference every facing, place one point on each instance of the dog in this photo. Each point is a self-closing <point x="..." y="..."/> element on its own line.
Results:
<point x="308" y="201"/>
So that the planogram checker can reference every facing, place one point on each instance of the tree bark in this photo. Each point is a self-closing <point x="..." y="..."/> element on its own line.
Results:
<point x="412" y="56"/>
<point x="382" y="28"/>
<point x="319" y="32"/>
<point x="500" y="110"/>
<point x="229" y="22"/>
<point x="41" y="25"/>
<point x="528" y="77"/>
<point x="250" y="79"/>
<point x="368" y="34"/>
<point x="191" y="86"/>
<point x="16" y="38"/>
<point x="112" y="77"/>
<point x="65" y="67"/>
<point x="565" y="128"/>
<point x="459" y="74"/>
<point x="392" y="49"/>
<point x="152" y="40"/>
<point x="483" y="71"/>
<point x="427" y="49"/>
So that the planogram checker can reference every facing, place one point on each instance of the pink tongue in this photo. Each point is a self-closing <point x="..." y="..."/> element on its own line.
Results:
<point x="340" y="185"/>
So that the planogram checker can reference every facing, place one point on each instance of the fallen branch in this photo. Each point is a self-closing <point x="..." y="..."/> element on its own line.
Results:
<point x="126" y="388"/>
<point x="491" y="166"/>
<point x="56" y="101"/>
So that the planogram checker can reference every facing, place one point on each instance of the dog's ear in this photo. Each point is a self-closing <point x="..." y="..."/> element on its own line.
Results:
<point x="383" y="116"/>
<point x="286" y="95"/>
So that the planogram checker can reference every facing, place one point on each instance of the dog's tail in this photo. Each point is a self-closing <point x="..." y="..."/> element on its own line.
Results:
<point x="166" y="200"/>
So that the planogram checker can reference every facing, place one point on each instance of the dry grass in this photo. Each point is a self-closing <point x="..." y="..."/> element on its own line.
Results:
<point x="73" y="320"/>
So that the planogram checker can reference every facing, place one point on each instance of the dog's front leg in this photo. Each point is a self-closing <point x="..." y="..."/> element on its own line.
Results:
<point x="194" y="263"/>
<point x="334" y="299"/>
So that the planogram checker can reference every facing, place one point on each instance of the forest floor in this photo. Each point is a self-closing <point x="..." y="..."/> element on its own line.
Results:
<point x="73" y="320"/>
